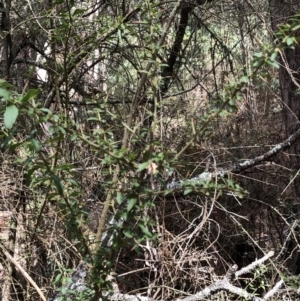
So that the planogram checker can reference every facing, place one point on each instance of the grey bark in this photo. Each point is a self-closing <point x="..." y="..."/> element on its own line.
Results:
<point x="289" y="79"/>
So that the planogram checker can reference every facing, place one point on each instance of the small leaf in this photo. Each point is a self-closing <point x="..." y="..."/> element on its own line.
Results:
<point x="74" y="137"/>
<point x="257" y="54"/>
<point x="124" y="216"/>
<point x="46" y="110"/>
<point x="120" y="35"/>
<point x="57" y="278"/>
<point x="145" y="230"/>
<point x="131" y="203"/>
<point x="36" y="144"/>
<point x="119" y="198"/>
<point x="78" y="11"/>
<point x="296" y="27"/>
<point x="273" y="64"/>
<point x="273" y="56"/>
<point x="143" y="166"/>
<point x="128" y="233"/>
<point x="10" y="116"/>
<point x="72" y="181"/>
<point x="245" y="79"/>
<point x="62" y="130"/>
<point x="289" y="41"/>
<point x="32" y="93"/>
<point x="188" y="190"/>
<point x="4" y="93"/>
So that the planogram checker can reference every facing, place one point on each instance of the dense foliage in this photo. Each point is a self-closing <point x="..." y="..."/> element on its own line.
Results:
<point x="128" y="130"/>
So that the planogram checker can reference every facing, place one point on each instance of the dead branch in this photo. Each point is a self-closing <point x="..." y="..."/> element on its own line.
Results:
<point x="219" y="285"/>
<point x="237" y="167"/>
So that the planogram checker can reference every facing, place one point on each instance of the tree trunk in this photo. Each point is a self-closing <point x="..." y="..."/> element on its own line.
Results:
<point x="289" y="79"/>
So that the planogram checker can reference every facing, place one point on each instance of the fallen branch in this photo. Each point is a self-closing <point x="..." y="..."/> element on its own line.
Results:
<point x="23" y="272"/>
<point x="237" y="167"/>
<point x="224" y="284"/>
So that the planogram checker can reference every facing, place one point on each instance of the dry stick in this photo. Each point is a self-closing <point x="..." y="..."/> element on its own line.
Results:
<point x="225" y="284"/>
<point x="142" y="81"/>
<point x="24" y="273"/>
<point x="238" y="167"/>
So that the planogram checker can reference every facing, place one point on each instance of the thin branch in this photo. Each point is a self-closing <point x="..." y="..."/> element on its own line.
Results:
<point x="238" y="167"/>
<point x="24" y="273"/>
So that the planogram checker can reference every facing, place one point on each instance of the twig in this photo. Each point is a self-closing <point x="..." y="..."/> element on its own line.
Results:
<point x="24" y="273"/>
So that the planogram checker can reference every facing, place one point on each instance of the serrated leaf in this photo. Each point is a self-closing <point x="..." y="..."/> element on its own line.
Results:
<point x="131" y="203"/>
<point x="32" y="93"/>
<point x="10" y="116"/>
<point x="4" y="93"/>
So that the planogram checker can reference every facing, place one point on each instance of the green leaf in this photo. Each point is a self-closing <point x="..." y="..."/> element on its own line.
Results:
<point x="46" y="110"/>
<point x="257" y="54"/>
<point x="290" y="41"/>
<point x="245" y="79"/>
<point x="119" y="198"/>
<point x="296" y="27"/>
<point x="143" y="166"/>
<point x="273" y="56"/>
<point x="57" y="182"/>
<point x="131" y="203"/>
<point x="32" y="93"/>
<point x="5" y="84"/>
<point x="78" y="11"/>
<point x="273" y="64"/>
<point x="4" y="93"/>
<point x="57" y="278"/>
<point x="124" y="216"/>
<point x="74" y="137"/>
<point x="36" y="144"/>
<point x="128" y="233"/>
<point x="72" y="181"/>
<point x="145" y="230"/>
<point x="120" y="35"/>
<point x="188" y="190"/>
<point x="62" y="130"/>
<point x="10" y="116"/>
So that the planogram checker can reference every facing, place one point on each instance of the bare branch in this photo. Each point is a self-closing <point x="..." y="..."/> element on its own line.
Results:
<point x="239" y="166"/>
<point x="78" y="282"/>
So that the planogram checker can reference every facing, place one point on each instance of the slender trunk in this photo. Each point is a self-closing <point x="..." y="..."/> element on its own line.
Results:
<point x="289" y="79"/>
